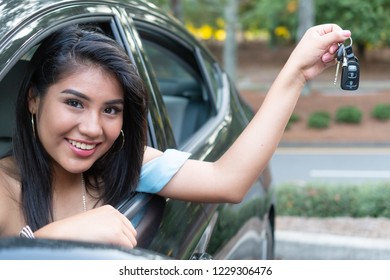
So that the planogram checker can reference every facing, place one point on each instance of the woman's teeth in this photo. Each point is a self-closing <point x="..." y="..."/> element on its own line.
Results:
<point x="82" y="146"/>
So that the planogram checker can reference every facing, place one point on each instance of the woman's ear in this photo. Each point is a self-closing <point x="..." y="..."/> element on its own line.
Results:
<point x="33" y="101"/>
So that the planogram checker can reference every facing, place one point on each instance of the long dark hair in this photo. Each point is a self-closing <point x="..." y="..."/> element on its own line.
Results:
<point x="118" y="170"/>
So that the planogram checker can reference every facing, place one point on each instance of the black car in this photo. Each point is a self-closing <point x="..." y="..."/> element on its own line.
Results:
<point x="194" y="107"/>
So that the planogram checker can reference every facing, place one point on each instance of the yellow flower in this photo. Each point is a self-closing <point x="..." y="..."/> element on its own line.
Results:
<point x="205" y="32"/>
<point x="220" y="35"/>
<point x="282" y="31"/>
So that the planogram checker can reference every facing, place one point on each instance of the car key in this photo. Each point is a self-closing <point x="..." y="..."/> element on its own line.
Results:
<point x="339" y="57"/>
<point x="350" y="70"/>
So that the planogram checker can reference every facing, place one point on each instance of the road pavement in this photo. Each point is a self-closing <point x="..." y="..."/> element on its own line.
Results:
<point x="347" y="165"/>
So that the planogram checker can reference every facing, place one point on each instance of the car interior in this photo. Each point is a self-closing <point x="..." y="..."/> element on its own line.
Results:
<point x="9" y="87"/>
<point x="183" y="94"/>
<point x="181" y="85"/>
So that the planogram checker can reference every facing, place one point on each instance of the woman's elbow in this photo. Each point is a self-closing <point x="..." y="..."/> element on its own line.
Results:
<point x="235" y="200"/>
<point x="233" y="197"/>
<point x="235" y="192"/>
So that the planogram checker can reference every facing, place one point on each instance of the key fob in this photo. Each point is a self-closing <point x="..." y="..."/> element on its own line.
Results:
<point x="350" y="75"/>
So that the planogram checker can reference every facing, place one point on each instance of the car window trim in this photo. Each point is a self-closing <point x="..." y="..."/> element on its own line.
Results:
<point x="206" y="77"/>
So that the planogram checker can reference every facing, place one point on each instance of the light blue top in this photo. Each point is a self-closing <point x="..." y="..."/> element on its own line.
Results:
<point x="156" y="173"/>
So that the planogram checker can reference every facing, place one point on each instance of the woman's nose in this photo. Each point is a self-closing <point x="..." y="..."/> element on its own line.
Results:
<point x="91" y="125"/>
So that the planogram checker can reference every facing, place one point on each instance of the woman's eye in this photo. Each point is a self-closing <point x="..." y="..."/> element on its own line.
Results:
<point x="74" y="103"/>
<point x="112" y="110"/>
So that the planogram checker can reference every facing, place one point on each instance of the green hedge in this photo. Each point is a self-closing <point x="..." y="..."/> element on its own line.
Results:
<point x="293" y="119"/>
<point x="349" y="114"/>
<point x="381" y="112"/>
<point x="321" y="200"/>
<point x="319" y="119"/>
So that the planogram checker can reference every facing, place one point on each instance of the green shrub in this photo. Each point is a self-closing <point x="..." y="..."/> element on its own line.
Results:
<point x="319" y="200"/>
<point x="349" y="114"/>
<point x="381" y="112"/>
<point x="319" y="119"/>
<point x="293" y="118"/>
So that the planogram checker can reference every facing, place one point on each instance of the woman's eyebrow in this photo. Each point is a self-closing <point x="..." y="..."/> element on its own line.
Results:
<point x="115" y="102"/>
<point x="85" y="97"/>
<point x="76" y="93"/>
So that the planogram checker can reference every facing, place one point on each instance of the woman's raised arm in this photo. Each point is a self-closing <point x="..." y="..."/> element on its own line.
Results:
<point x="229" y="178"/>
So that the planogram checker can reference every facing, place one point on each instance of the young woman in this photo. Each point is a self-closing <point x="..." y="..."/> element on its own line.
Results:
<point x="74" y="154"/>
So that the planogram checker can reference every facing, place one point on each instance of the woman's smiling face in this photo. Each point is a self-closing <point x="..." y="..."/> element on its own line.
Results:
<point x="79" y="118"/>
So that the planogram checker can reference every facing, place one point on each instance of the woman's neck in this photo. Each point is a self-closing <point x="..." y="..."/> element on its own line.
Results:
<point x="69" y="194"/>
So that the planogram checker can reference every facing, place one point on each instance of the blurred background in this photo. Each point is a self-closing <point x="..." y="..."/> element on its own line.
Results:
<point x="332" y="167"/>
<point x="280" y="23"/>
<point x="252" y="39"/>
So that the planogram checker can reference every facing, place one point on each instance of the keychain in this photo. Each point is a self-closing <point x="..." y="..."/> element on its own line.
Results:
<point x="350" y="73"/>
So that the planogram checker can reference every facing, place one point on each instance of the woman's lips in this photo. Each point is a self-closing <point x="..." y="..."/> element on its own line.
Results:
<point x="82" y="149"/>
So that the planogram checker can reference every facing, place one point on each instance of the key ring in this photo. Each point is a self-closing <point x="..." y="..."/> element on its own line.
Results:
<point x="341" y="48"/>
<point x="350" y="39"/>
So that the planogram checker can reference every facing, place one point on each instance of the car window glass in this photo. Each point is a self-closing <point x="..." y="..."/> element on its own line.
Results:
<point x="183" y="90"/>
<point x="167" y="65"/>
<point x="171" y="71"/>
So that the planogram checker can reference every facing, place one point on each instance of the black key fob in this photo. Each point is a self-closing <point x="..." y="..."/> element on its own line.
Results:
<point x="350" y="75"/>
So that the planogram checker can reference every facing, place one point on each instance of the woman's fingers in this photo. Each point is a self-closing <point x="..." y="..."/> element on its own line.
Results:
<point x="129" y="231"/>
<point x="103" y="225"/>
<point x="123" y="232"/>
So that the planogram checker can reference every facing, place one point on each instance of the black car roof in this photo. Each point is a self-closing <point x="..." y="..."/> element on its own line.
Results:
<point x="17" y="17"/>
<point x="15" y="12"/>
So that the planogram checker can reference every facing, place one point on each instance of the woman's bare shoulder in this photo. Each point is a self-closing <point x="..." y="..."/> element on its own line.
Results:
<point x="9" y="194"/>
<point x="8" y="170"/>
<point x="151" y="153"/>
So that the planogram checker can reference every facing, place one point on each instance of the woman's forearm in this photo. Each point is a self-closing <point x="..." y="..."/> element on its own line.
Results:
<point x="251" y="152"/>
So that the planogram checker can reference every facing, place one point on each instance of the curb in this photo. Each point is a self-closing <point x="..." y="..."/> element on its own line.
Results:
<point x="292" y="245"/>
<point x="347" y="144"/>
<point x="333" y="240"/>
<point x="323" y="87"/>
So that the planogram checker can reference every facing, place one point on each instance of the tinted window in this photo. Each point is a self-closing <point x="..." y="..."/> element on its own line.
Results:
<point x="184" y="91"/>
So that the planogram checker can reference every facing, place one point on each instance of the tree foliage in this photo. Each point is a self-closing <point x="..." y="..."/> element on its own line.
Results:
<point x="197" y="12"/>
<point x="274" y="16"/>
<point x="369" y="21"/>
